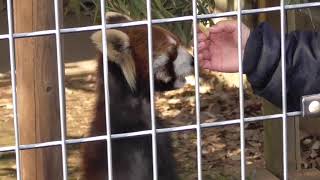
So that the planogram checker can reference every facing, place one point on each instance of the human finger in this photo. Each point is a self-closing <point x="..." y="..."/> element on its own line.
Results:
<point x="206" y="54"/>
<point x="206" y="64"/>
<point x="226" y="26"/>
<point x="200" y="56"/>
<point x="202" y="45"/>
<point x="217" y="36"/>
<point x="202" y="37"/>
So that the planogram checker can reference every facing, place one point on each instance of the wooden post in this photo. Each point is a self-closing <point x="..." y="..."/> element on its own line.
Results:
<point x="273" y="142"/>
<point x="37" y="88"/>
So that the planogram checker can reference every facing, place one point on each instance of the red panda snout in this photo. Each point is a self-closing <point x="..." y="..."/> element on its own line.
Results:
<point x="171" y="67"/>
<point x="183" y="66"/>
<point x="171" y="62"/>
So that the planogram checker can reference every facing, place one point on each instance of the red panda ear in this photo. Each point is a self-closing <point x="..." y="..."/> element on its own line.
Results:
<point x="114" y="17"/>
<point x="119" y="52"/>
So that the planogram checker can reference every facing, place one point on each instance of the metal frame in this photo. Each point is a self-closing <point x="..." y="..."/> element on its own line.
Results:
<point x="153" y="118"/>
<point x="284" y="91"/>
<point x="62" y="101"/>
<point x="241" y="99"/>
<point x="154" y="131"/>
<point x="197" y="90"/>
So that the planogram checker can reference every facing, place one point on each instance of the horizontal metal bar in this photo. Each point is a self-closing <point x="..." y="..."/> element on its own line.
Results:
<point x="149" y="132"/>
<point x="31" y="146"/>
<point x="273" y="116"/>
<point x="160" y="21"/>
<point x="81" y="29"/>
<point x="40" y="145"/>
<point x="259" y="10"/>
<point x="174" y="19"/>
<point x="177" y="129"/>
<point x="243" y="12"/>
<point x="7" y="149"/>
<point x="4" y="36"/>
<point x="94" y="27"/>
<point x="217" y="15"/>
<point x="98" y="27"/>
<point x="303" y="5"/>
<point x="33" y="34"/>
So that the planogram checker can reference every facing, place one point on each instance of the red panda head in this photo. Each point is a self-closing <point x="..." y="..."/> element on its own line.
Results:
<point x="128" y="48"/>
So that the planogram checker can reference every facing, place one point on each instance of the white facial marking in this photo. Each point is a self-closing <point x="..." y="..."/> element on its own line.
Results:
<point x="163" y="76"/>
<point x="159" y="68"/>
<point x="160" y="61"/>
<point x="182" y="64"/>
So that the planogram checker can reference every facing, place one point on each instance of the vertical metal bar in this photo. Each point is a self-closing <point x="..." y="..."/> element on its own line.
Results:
<point x="196" y="71"/>
<point x="241" y="100"/>
<point x="284" y="91"/>
<point x="14" y="88"/>
<point x="62" y="104"/>
<point x="106" y="87"/>
<point x="153" y="118"/>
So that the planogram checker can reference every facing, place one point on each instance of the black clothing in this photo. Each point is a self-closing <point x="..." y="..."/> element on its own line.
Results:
<point x="262" y="65"/>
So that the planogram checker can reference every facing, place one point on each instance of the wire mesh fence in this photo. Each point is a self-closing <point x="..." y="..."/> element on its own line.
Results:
<point x="198" y="126"/>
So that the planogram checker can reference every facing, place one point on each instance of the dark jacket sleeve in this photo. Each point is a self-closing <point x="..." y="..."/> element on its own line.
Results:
<point x="262" y="65"/>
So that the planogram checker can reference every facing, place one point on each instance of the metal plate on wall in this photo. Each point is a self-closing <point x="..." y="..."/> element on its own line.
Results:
<point x="310" y="105"/>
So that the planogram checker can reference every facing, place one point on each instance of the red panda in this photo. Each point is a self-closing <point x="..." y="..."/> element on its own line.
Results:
<point x="128" y="82"/>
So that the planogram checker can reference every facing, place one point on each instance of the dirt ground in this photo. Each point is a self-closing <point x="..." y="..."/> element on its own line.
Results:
<point x="219" y="102"/>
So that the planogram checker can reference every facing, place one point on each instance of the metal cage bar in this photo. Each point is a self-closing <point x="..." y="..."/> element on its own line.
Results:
<point x="159" y="21"/>
<point x="14" y="88"/>
<point x="62" y="101"/>
<point x="148" y="132"/>
<point x="241" y="99"/>
<point x="197" y="91"/>
<point x="106" y="88"/>
<point x="284" y="91"/>
<point x="198" y="126"/>
<point x="151" y="85"/>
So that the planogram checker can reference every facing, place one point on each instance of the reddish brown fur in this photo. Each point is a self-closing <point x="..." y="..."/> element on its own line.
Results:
<point x="130" y="111"/>
<point x="139" y="44"/>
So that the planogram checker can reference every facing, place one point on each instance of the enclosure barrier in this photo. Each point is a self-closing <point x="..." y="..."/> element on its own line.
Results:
<point x="154" y="131"/>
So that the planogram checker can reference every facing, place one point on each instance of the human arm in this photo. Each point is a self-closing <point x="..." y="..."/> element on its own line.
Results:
<point x="262" y="62"/>
<point x="262" y="65"/>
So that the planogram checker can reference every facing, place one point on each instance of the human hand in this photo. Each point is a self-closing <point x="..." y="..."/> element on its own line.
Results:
<point x="219" y="50"/>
